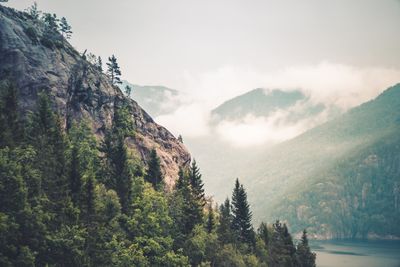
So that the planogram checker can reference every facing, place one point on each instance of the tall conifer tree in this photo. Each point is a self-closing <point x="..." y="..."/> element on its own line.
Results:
<point x="224" y="230"/>
<point x="305" y="258"/>
<point x="210" y="220"/>
<point x="154" y="174"/>
<point x="113" y="70"/>
<point x="197" y="183"/>
<point x="241" y="222"/>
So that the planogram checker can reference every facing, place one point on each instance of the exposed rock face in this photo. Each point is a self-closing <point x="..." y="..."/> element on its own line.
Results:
<point x="79" y="90"/>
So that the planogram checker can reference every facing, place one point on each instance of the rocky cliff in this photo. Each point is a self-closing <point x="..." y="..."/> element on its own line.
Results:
<point x="78" y="89"/>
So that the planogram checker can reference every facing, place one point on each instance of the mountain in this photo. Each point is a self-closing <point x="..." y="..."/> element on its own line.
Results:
<point x="340" y="179"/>
<point x="73" y="191"/>
<point x="156" y="100"/>
<point x="79" y="91"/>
<point x="281" y="109"/>
<point x="263" y="103"/>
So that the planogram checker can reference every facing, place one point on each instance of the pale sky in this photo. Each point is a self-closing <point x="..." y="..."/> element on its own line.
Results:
<point x="163" y="41"/>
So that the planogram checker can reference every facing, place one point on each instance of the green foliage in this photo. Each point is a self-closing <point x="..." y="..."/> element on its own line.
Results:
<point x="67" y="246"/>
<point x="122" y="121"/>
<point x="196" y="184"/>
<point x="241" y="221"/>
<point x="210" y="226"/>
<point x="51" y="37"/>
<point x="356" y="197"/>
<point x="228" y="256"/>
<point x="113" y="70"/>
<point x="154" y="174"/>
<point x="100" y="64"/>
<point x="225" y="231"/>
<point x="126" y="256"/>
<point x="10" y="125"/>
<point x="32" y="34"/>
<point x="305" y="258"/>
<point x="128" y="90"/>
<point x="65" y="202"/>
<point x="33" y="11"/>
<point x="186" y="209"/>
<point x="65" y="28"/>
<point x="282" y="250"/>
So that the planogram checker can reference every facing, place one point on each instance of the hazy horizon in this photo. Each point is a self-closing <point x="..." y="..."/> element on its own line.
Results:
<point x="339" y="53"/>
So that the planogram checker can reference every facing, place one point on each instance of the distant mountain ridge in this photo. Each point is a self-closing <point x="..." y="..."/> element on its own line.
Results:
<point x="262" y="103"/>
<point x="301" y="172"/>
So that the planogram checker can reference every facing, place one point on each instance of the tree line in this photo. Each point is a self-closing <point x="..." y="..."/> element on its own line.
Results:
<point x="69" y="200"/>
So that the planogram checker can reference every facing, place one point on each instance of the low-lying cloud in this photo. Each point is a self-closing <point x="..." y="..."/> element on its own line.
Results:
<point x="333" y="85"/>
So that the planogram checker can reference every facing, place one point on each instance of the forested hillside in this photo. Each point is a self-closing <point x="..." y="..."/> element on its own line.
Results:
<point x="340" y="178"/>
<point x="87" y="178"/>
<point x="36" y="56"/>
<point x="358" y="197"/>
<point x="69" y="200"/>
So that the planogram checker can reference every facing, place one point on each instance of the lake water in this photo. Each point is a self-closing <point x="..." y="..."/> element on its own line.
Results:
<point x="357" y="253"/>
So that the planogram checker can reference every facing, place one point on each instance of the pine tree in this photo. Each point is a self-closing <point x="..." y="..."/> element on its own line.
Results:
<point x="100" y="64"/>
<point x="33" y="11"/>
<point x="113" y="70"/>
<point x="262" y="232"/>
<point x="305" y="258"/>
<point x="128" y="90"/>
<point x="241" y="222"/>
<point x="197" y="183"/>
<point x="89" y="199"/>
<point x="154" y="174"/>
<point x="122" y="174"/>
<point x="47" y="137"/>
<point x="122" y="121"/>
<point x="11" y="132"/>
<point x="288" y="242"/>
<point x="187" y="213"/>
<point x="51" y="22"/>
<point x="117" y="173"/>
<point x="180" y="182"/>
<point x="51" y="36"/>
<point x="180" y="139"/>
<point x="210" y="219"/>
<point x="65" y="28"/>
<point x="224" y="230"/>
<point x="82" y="158"/>
<point x="75" y="177"/>
<point x="282" y="249"/>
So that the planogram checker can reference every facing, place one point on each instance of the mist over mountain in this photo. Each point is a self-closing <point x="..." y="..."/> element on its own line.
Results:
<point x="262" y="102"/>
<point x="288" y="140"/>
<point x="339" y="179"/>
<point x="292" y="180"/>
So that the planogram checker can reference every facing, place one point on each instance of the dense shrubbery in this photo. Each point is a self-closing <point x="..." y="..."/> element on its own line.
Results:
<point x="66" y="204"/>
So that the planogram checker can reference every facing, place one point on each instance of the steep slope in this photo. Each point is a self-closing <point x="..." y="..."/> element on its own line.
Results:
<point x="295" y="178"/>
<point x="156" y="100"/>
<point x="79" y="91"/>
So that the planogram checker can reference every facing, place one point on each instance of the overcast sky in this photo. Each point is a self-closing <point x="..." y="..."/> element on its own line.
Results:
<point x="338" y="52"/>
<point x="161" y="42"/>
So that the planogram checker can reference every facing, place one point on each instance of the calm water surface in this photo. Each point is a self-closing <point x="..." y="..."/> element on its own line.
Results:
<point x="357" y="253"/>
